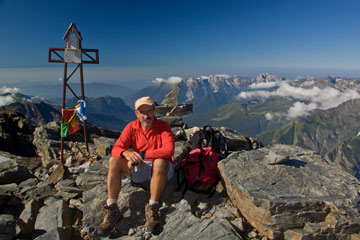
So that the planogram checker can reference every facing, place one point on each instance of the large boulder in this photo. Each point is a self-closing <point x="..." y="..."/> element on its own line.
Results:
<point x="27" y="218"/>
<point x="183" y="224"/>
<point x="7" y="227"/>
<point x="54" y="214"/>
<point x="16" y="134"/>
<point x="12" y="172"/>
<point x="47" y="142"/>
<point x="289" y="192"/>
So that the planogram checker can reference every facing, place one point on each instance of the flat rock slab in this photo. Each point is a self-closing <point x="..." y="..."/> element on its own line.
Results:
<point x="287" y="188"/>
<point x="182" y="224"/>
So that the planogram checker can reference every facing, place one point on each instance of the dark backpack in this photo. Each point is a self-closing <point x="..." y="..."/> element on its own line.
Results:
<point x="215" y="139"/>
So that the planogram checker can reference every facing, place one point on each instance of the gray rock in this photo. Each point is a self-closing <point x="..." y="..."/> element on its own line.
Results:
<point x="89" y="180"/>
<point x="68" y="193"/>
<point x="277" y="155"/>
<point x="305" y="189"/>
<point x="41" y="190"/>
<point x="98" y="168"/>
<point x="171" y="99"/>
<point x="224" y="213"/>
<point x="182" y="224"/>
<point x="42" y="173"/>
<point x="76" y="203"/>
<point x="175" y="110"/>
<point x="179" y="134"/>
<point x="93" y="199"/>
<point x="193" y="133"/>
<point x="12" y="172"/>
<point x="238" y="223"/>
<point x="15" y="131"/>
<point x="7" y="189"/>
<point x="104" y="145"/>
<point x="173" y="121"/>
<point x="29" y="183"/>
<point x="67" y="189"/>
<point x="7" y="227"/>
<point x="181" y="149"/>
<point x="57" y="174"/>
<point x="47" y="143"/>
<point x="13" y="206"/>
<point x="59" y="233"/>
<point x="26" y="221"/>
<point x="54" y="214"/>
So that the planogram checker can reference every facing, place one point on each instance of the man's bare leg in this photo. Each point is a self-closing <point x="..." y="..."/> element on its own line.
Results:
<point x="159" y="178"/>
<point x="117" y="166"/>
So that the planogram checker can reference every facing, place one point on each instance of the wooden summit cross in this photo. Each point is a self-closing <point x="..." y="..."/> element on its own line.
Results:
<point x="73" y="53"/>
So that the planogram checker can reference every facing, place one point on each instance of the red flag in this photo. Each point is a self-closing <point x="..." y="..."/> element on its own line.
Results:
<point x="69" y="117"/>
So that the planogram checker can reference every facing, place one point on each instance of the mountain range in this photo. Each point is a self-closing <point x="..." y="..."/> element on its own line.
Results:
<point x="53" y="91"/>
<point x="106" y="112"/>
<point x="318" y="114"/>
<point x="333" y="133"/>
<point x="248" y="117"/>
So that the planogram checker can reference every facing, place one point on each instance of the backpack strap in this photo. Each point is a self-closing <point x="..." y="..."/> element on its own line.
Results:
<point x="181" y="170"/>
<point x="211" y="136"/>
<point x="208" y="132"/>
<point x="226" y="152"/>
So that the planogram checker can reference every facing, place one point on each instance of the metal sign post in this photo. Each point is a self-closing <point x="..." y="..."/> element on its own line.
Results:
<point x="73" y="53"/>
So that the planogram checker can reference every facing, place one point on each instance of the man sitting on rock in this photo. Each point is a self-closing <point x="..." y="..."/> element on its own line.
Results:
<point x="149" y="159"/>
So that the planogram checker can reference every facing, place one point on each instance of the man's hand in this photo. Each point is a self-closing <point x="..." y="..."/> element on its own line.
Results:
<point x="132" y="157"/>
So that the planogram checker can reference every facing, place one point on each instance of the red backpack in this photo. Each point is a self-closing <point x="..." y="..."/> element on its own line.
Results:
<point x="200" y="167"/>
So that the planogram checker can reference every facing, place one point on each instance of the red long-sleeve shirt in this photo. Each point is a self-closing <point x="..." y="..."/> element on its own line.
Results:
<point x="157" y="142"/>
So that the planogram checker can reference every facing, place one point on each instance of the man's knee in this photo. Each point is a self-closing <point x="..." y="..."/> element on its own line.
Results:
<point x="114" y="162"/>
<point x="117" y="163"/>
<point x="160" y="166"/>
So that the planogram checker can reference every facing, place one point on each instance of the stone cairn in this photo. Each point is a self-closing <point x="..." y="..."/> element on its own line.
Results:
<point x="172" y="112"/>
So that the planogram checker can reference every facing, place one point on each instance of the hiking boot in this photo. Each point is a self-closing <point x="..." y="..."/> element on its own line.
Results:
<point x="112" y="215"/>
<point x="151" y="216"/>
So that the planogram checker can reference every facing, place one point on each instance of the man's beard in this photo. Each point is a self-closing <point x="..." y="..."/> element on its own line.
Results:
<point x="148" y="121"/>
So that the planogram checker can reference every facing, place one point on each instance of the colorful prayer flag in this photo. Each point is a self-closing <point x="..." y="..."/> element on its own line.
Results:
<point x="71" y="125"/>
<point x="80" y="110"/>
<point x="64" y="129"/>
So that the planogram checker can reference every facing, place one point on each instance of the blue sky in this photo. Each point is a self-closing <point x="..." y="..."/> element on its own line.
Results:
<point x="143" y="39"/>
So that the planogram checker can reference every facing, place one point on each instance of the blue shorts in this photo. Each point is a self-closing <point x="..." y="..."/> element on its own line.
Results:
<point x="144" y="172"/>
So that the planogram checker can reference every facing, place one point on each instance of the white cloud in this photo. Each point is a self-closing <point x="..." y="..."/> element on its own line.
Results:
<point x="222" y="76"/>
<point x="308" y="83"/>
<point x="5" y="89"/>
<point x="269" y="116"/>
<point x="263" y="85"/>
<point x="6" y="100"/>
<point x="322" y="98"/>
<point x="275" y="116"/>
<point x="254" y="94"/>
<point x="170" y="80"/>
<point x="300" y="109"/>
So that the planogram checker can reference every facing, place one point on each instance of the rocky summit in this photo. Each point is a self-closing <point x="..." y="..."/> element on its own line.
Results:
<point x="277" y="192"/>
<point x="289" y="192"/>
